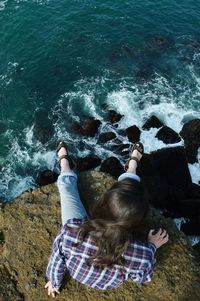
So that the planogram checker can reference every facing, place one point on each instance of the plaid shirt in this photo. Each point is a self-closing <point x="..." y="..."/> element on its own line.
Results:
<point x="139" y="261"/>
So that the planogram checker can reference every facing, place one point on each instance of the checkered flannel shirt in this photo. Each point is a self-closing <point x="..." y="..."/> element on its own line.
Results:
<point x="139" y="261"/>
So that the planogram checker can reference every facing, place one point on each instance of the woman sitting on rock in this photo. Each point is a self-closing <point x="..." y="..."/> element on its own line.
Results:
<point x="101" y="251"/>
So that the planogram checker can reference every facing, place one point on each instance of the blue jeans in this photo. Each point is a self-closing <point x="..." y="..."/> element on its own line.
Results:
<point x="71" y="205"/>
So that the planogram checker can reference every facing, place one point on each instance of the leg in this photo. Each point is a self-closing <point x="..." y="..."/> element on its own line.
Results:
<point x="132" y="166"/>
<point x="71" y="205"/>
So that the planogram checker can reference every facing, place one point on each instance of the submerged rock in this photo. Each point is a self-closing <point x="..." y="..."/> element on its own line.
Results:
<point x="87" y="127"/>
<point x="191" y="135"/>
<point x="105" y="137"/>
<point x="167" y="135"/>
<point x="152" y="122"/>
<point x="27" y="245"/>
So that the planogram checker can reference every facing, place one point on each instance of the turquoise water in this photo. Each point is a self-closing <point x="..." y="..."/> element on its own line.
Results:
<point x="61" y="60"/>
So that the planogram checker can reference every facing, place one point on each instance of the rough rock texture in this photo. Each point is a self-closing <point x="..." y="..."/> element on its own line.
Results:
<point x="86" y="163"/>
<point x="87" y="127"/>
<point x="113" y="116"/>
<point x="167" y="135"/>
<point x="105" y="137"/>
<point x="133" y="133"/>
<point x="191" y="135"/>
<point x="29" y="225"/>
<point x="112" y="166"/>
<point x="152" y="122"/>
<point x="46" y="177"/>
<point x="167" y="177"/>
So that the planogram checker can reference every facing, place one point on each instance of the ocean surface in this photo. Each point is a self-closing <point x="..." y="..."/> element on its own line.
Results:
<point x="63" y="60"/>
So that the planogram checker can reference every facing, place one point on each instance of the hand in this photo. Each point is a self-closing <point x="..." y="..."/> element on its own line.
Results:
<point x="158" y="239"/>
<point x="51" y="291"/>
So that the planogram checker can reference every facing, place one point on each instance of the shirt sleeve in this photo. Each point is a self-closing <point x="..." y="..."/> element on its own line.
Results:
<point x="56" y="266"/>
<point x="148" y="261"/>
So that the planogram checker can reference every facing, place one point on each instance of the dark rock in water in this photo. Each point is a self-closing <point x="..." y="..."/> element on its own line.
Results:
<point x="152" y="122"/>
<point x="192" y="227"/>
<point x="43" y="134"/>
<point x="88" y="126"/>
<point x="113" y="116"/>
<point x="119" y="148"/>
<point x="193" y="191"/>
<point x="166" y="175"/>
<point x="133" y="133"/>
<point x="43" y="129"/>
<point x="161" y="41"/>
<point x="186" y="208"/>
<point x="3" y="127"/>
<point x="105" y="137"/>
<point x="167" y="135"/>
<point x="191" y="135"/>
<point x="144" y="71"/>
<point x="197" y="247"/>
<point x="112" y="166"/>
<point x="46" y="177"/>
<point x="87" y="163"/>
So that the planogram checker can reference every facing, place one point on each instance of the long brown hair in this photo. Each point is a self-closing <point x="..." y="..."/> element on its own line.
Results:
<point x="115" y="220"/>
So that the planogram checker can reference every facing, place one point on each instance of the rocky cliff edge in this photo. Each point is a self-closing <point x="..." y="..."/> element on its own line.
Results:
<point x="29" y="225"/>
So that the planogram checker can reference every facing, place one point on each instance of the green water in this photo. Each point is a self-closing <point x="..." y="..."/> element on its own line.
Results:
<point x="60" y="60"/>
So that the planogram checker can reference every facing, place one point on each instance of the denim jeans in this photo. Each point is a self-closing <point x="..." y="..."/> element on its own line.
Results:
<point x="71" y="205"/>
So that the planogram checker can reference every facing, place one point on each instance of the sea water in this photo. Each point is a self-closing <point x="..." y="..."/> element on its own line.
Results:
<point x="63" y="60"/>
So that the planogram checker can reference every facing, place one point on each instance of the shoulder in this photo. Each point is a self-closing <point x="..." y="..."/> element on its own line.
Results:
<point x="139" y="253"/>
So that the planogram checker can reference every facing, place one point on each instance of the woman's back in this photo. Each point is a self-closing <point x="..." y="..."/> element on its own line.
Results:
<point x="138" y="265"/>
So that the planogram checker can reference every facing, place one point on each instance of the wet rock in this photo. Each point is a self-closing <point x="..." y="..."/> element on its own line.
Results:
<point x="118" y="148"/>
<point x="145" y="71"/>
<point x="87" y="127"/>
<point x="46" y="177"/>
<point x="161" y="41"/>
<point x="43" y="129"/>
<point x="193" y="191"/>
<point x="192" y="227"/>
<point x="197" y="247"/>
<point x="188" y="208"/>
<point x="43" y="134"/>
<point x="112" y="166"/>
<point x="166" y="176"/>
<point x="86" y="163"/>
<point x="191" y="135"/>
<point x="105" y="137"/>
<point x="113" y="116"/>
<point x="167" y="135"/>
<point x="152" y="122"/>
<point x="133" y="133"/>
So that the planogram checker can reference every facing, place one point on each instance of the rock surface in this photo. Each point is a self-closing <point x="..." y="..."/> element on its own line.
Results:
<point x="133" y="133"/>
<point x="86" y="163"/>
<point x="46" y="177"/>
<point x="87" y="127"/>
<point x="105" y="137"/>
<point x="167" y="135"/>
<point x="113" y="116"/>
<point x="29" y="225"/>
<point x="152" y="122"/>
<point x="191" y="135"/>
<point x="112" y="166"/>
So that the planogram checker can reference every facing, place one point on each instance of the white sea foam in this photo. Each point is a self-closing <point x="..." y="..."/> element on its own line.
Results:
<point x="3" y="4"/>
